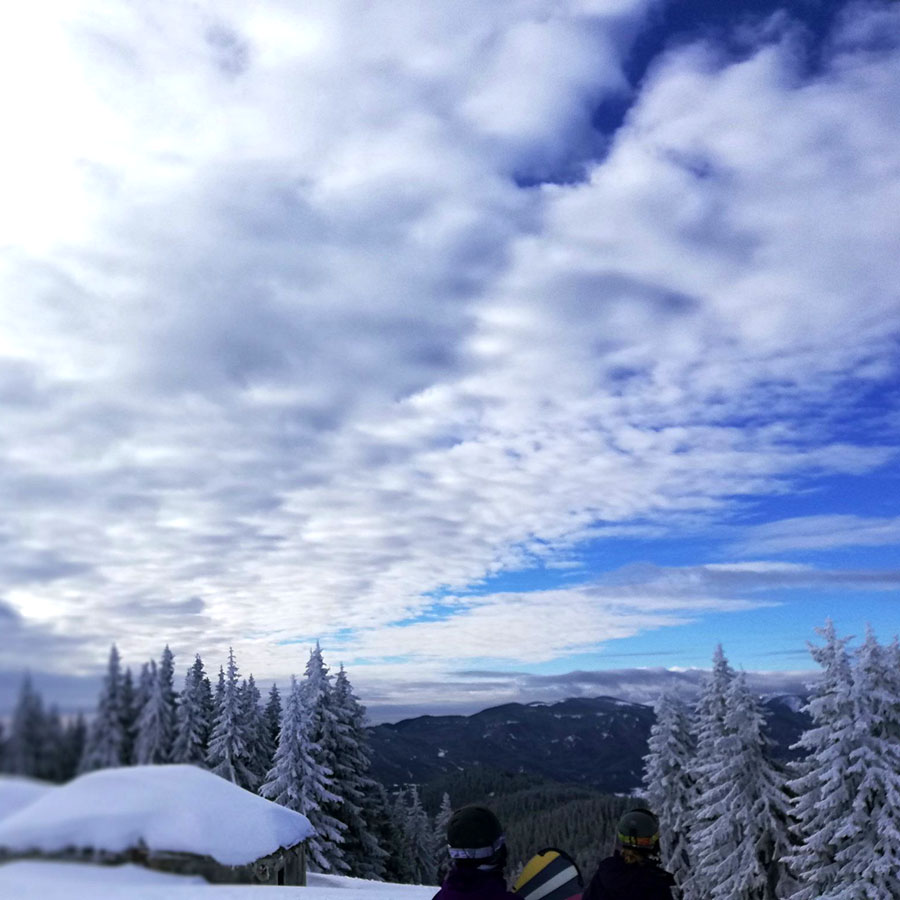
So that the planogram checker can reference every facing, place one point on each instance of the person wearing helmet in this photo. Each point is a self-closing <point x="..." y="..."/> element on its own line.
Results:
<point x="633" y="871"/>
<point x="477" y="849"/>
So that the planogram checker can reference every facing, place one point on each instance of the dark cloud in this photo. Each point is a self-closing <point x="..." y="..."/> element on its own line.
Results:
<point x="230" y="52"/>
<point x="29" y="645"/>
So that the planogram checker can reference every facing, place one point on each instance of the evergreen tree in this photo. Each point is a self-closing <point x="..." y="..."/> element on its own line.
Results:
<point x="402" y="868"/>
<point x="868" y="859"/>
<point x="351" y="781"/>
<point x="156" y="721"/>
<point x="208" y="705"/>
<point x="130" y="711"/>
<point x="381" y="814"/>
<point x="28" y="741"/>
<point x="142" y="691"/>
<point x="166" y="674"/>
<point x="258" y="750"/>
<point x="73" y="741"/>
<point x="669" y="784"/>
<point x="420" y="839"/>
<point x="297" y="781"/>
<point x="823" y="790"/>
<point x="192" y="718"/>
<point x="741" y="835"/>
<point x="52" y="766"/>
<point x="709" y="728"/>
<point x="140" y="697"/>
<point x="146" y="733"/>
<point x="441" y="821"/>
<point x="227" y="756"/>
<point x="272" y="717"/>
<point x="317" y="695"/>
<point x="105" y="745"/>
<point x="220" y="692"/>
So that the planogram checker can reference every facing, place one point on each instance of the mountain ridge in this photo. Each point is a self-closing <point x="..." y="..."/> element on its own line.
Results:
<point x="598" y="742"/>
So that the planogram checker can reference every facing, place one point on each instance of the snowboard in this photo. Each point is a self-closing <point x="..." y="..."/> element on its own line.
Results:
<point x="550" y="875"/>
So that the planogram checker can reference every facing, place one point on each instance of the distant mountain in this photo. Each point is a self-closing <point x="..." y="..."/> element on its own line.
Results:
<point x="599" y="742"/>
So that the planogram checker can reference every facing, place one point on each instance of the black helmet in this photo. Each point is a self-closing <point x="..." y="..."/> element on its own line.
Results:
<point x="474" y="833"/>
<point x="639" y="830"/>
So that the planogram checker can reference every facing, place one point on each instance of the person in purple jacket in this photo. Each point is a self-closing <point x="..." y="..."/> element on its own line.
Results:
<point x="477" y="849"/>
<point x="633" y="871"/>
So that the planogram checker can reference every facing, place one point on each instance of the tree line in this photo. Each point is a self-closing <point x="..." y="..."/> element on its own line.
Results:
<point x="306" y="749"/>
<point x="735" y="824"/>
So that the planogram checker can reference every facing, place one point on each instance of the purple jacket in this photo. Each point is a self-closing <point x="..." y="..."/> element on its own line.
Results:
<point x="473" y="884"/>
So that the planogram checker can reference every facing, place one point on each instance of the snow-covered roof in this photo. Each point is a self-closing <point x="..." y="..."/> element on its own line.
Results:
<point x="16" y="793"/>
<point x="175" y="808"/>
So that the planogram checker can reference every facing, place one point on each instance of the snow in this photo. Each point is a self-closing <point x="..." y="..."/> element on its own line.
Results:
<point x="71" y="881"/>
<point x="175" y="808"/>
<point x="17" y="793"/>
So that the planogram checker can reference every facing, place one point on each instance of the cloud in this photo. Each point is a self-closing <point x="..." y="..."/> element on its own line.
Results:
<point x="825" y="532"/>
<point x="287" y="336"/>
<point x="735" y="578"/>
<point x="40" y="645"/>
<point x="467" y="692"/>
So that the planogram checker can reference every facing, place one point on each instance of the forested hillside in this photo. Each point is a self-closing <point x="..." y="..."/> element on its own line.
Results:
<point x="537" y="813"/>
<point x="597" y="742"/>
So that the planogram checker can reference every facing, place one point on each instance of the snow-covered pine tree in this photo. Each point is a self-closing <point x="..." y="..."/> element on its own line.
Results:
<point x="208" y="704"/>
<point x="220" y="692"/>
<point x="258" y="750"/>
<point x="420" y="839"/>
<point x="868" y="859"/>
<point x="708" y="727"/>
<point x="166" y="675"/>
<point x="740" y="838"/>
<point x="192" y="723"/>
<point x="142" y="690"/>
<point x="227" y="756"/>
<point x="823" y="791"/>
<point x="298" y="782"/>
<point x="146" y="739"/>
<point x="401" y="864"/>
<point x="141" y="695"/>
<point x="105" y="745"/>
<point x="669" y="784"/>
<point x="272" y="717"/>
<point x="28" y="741"/>
<point x="130" y="712"/>
<point x="317" y="693"/>
<point x="351" y="781"/>
<point x="156" y="720"/>
<point x="382" y="814"/>
<point x="441" y="821"/>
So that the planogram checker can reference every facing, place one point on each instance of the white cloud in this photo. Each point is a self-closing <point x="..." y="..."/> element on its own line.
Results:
<point x="824" y="532"/>
<point x="282" y="333"/>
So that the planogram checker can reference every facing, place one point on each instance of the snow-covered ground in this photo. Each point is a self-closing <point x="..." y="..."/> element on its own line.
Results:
<point x="71" y="881"/>
<point x="179" y="808"/>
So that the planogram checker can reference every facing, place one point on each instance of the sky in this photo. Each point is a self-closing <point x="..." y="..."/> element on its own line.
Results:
<point x="511" y="350"/>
